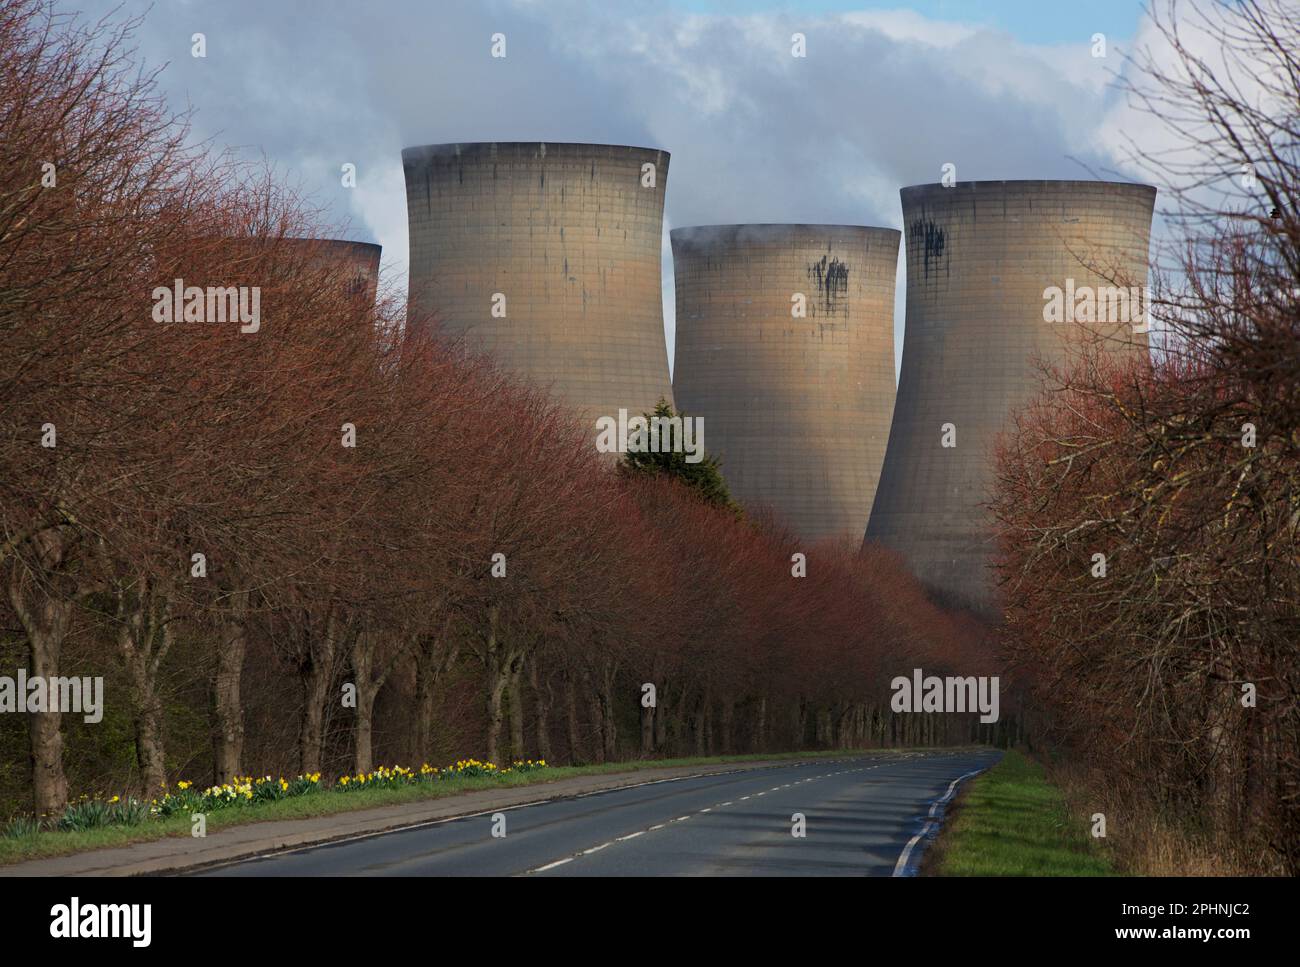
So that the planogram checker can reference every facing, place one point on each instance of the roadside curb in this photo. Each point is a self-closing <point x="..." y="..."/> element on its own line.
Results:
<point x="184" y="854"/>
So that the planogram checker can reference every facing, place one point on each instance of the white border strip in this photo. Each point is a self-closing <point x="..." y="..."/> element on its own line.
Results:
<point x="900" y="867"/>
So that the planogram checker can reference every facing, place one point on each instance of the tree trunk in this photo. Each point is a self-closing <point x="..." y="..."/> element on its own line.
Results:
<point x="822" y="728"/>
<point x="647" y="730"/>
<point x="571" y="717"/>
<point x="843" y="732"/>
<point x="364" y="645"/>
<point x="45" y="636"/>
<point x="317" y="673"/>
<point x="311" y="729"/>
<point x="363" y="732"/>
<point x="45" y="619"/>
<point x="597" y="729"/>
<point x="699" y="726"/>
<point x="542" y="699"/>
<point x="143" y="637"/>
<point x="610" y="733"/>
<point x="597" y="719"/>
<point x="496" y="689"/>
<point x="516" y="710"/>
<point x="435" y="657"/>
<point x="709" y="739"/>
<point x="424" y="695"/>
<point x="227" y="704"/>
<point x="661" y="719"/>
<point x="728" y="723"/>
<point x="149" y="745"/>
<point x="497" y="677"/>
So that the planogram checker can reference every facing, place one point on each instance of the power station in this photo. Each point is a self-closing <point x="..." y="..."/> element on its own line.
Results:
<point x="985" y="261"/>
<point x="547" y="257"/>
<point x="785" y="348"/>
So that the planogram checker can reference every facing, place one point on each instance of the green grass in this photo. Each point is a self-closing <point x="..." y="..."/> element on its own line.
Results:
<point x="330" y="802"/>
<point x="1011" y="821"/>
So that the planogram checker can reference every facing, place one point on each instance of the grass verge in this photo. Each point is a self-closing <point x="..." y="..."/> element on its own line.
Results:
<point x="1011" y="821"/>
<point x="331" y="801"/>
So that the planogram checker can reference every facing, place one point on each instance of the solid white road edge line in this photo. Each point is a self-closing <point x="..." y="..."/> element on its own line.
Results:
<point x="901" y="865"/>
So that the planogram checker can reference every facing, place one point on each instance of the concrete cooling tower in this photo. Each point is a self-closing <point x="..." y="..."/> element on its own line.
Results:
<point x="357" y="262"/>
<point x="796" y="406"/>
<point x="548" y="257"/>
<point x="981" y="260"/>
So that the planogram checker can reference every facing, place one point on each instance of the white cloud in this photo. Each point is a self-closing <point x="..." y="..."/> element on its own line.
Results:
<point x="907" y="25"/>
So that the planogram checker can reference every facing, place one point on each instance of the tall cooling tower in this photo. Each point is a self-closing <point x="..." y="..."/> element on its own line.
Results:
<point x="796" y="406"/>
<point x="548" y="257"/>
<point x="980" y="258"/>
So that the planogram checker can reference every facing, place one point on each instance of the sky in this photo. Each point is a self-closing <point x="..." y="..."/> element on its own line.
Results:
<point x="887" y="94"/>
<point x="1032" y="21"/>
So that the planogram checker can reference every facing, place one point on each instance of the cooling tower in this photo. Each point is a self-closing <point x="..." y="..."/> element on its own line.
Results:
<point x="548" y="257"/>
<point x="980" y="257"/>
<point x="796" y="404"/>
<point x="357" y="262"/>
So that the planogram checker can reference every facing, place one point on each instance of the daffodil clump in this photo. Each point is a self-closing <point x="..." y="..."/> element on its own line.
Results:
<point x="392" y="778"/>
<point x="381" y="778"/>
<point x="186" y="798"/>
<point x="241" y="791"/>
<point x="526" y="765"/>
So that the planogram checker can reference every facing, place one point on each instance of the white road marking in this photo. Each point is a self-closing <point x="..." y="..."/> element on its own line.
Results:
<point x="680" y="819"/>
<point x="901" y="865"/>
<point x="551" y="866"/>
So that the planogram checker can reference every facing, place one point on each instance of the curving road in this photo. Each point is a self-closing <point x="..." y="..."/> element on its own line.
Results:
<point x="860" y="814"/>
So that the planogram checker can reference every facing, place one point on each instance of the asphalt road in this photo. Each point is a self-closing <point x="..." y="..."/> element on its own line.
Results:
<point x="859" y="814"/>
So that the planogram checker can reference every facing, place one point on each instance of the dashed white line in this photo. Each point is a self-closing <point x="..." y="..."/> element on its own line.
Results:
<point x="551" y="866"/>
<point x="681" y="819"/>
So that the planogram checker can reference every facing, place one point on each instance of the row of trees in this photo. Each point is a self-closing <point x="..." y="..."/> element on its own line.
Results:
<point x="1150" y="514"/>
<point x="311" y="541"/>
